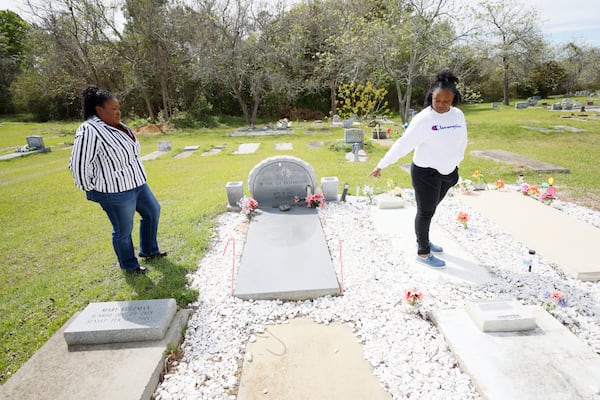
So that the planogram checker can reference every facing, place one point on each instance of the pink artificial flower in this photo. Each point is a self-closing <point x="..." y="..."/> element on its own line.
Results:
<point x="551" y="191"/>
<point x="296" y="199"/>
<point x="525" y="188"/>
<point x="556" y="295"/>
<point x="412" y="295"/>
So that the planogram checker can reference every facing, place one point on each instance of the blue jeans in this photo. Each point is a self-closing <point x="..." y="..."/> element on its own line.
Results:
<point x="120" y="208"/>
<point x="430" y="189"/>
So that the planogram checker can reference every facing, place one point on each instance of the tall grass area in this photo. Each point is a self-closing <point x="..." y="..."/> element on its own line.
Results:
<point x="56" y="246"/>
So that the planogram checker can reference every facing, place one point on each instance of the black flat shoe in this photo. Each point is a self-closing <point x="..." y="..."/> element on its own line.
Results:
<point x="157" y="255"/>
<point x="139" y="270"/>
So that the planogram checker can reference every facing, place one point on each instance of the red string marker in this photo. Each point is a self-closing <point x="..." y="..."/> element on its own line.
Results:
<point x="341" y="269"/>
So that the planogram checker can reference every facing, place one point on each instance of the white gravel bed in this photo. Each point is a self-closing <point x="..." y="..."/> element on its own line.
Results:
<point x="408" y="353"/>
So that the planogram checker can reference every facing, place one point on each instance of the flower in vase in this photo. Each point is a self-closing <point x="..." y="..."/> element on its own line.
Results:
<point x="463" y="218"/>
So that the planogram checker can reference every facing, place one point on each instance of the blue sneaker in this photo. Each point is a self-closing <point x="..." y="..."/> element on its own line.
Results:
<point x="432" y="261"/>
<point x="435" y="248"/>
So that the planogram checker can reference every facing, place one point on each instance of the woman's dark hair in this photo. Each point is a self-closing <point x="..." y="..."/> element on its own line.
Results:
<point x="445" y="80"/>
<point x="91" y="97"/>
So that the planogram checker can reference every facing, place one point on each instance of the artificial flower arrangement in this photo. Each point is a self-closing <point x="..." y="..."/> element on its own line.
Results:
<point x="368" y="191"/>
<point x="547" y="196"/>
<point x="478" y="180"/>
<point x="552" y="298"/>
<point x="315" y="200"/>
<point x="463" y="219"/>
<point x="413" y="296"/>
<point x="393" y="189"/>
<point x="248" y="206"/>
<point x="466" y="186"/>
<point x="499" y="184"/>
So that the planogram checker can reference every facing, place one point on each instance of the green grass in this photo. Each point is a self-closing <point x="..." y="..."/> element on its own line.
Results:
<point x="56" y="246"/>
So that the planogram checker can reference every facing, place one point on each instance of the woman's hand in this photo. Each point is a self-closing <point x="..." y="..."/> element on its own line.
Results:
<point x="376" y="173"/>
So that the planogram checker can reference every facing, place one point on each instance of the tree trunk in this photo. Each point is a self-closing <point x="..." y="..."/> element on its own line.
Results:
<point x="400" y="100"/>
<point x="333" y="96"/>
<point x="151" y="114"/>
<point x="255" y="111"/>
<point x="505" y="80"/>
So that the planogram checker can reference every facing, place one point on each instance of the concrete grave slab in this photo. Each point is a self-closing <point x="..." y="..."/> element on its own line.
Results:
<point x="154" y="155"/>
<point x="568" y="128"/>
<point x="517" y="159"/>
<point x="187" y="151"/>
<point x="286" y="257"/>
<point x="509" y="210"/>
<point x="212" y="152"/>
<point x="548" y="362"/>
<point x="247" y="148"/>
<point x="500" y="316"/>
<point x="120" y="371"/>
<point x="306" y="360"/>
<point x="284" y="146"/>
<point x="278" y="180"/>
<point x="121" y="321"/>
<point x="398" y="226"/>
<point x="314" y="145"/>
<point x="362" y="156"/>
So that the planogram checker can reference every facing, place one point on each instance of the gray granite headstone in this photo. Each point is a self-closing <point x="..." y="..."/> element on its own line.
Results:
<point x="164" y="145"/>
<point x="521" y="105"/>
<point x="35" y="142"/>
<point x="353" y="135"/>
<point x="121" y="321"/>
<point x="556" y="106"/>
<point x="277" y="180"/>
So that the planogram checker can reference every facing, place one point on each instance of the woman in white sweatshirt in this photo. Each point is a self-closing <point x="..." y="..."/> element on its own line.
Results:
<point x="438" y="134"/>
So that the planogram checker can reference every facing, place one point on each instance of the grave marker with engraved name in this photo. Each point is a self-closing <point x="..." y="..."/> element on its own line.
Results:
<point x="278" y="180"/>
<point x="121" y="321"/>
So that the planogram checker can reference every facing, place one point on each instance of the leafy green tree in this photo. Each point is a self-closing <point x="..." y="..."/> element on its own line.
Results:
<point x="13" y="31"/>
<point x="546" y="78"/>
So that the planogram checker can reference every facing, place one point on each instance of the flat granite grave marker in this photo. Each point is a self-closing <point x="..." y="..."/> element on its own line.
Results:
<point x="501" y="316"/>
<point x="517" y="159"/>
<point x="278" y="180"/>
<point x="247" y="148"/>
<point x="121" y="321"/>
<point x="284" y="146"/>
<point x="286" y="257"/>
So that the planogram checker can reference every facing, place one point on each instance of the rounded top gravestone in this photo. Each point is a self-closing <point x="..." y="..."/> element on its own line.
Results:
<point x="278" y="180"/>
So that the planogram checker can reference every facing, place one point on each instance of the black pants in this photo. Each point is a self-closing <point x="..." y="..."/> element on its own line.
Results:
<point x="430" y="189"/>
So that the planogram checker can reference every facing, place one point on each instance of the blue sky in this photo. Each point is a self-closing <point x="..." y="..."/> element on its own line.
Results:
<point x="561" y="20"/>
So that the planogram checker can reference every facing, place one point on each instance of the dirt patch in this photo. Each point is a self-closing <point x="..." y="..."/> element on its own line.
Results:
<point x="152" y="129"/>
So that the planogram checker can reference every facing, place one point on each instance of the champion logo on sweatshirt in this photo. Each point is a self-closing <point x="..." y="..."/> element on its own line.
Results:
<point x="442" y="127"/>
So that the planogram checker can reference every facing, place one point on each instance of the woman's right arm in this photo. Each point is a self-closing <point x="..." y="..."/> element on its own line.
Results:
<point x="82" y="155"/>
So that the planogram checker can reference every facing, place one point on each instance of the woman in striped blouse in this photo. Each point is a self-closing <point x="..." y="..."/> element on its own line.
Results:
<point x="106" y="164"/>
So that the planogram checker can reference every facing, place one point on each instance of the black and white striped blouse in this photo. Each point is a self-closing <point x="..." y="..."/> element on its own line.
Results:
<point x="105" y="158"/>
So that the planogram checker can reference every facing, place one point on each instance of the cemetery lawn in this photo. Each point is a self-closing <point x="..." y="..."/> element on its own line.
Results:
<point x="56" y="246"/>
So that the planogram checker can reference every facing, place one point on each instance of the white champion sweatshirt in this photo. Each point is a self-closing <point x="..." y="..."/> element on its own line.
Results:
<point x="439" y="141"/>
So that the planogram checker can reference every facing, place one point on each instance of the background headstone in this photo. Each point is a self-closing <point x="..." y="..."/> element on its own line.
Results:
<point x="164" y="145"/>
<point x="277" y="180"/>
<point x="35" y="142"/>
<point x="354" y="135"/>
<point x="521" y="105"/>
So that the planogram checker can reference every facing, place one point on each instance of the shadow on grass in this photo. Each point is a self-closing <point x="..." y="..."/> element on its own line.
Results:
<point x="164" y="279"/>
